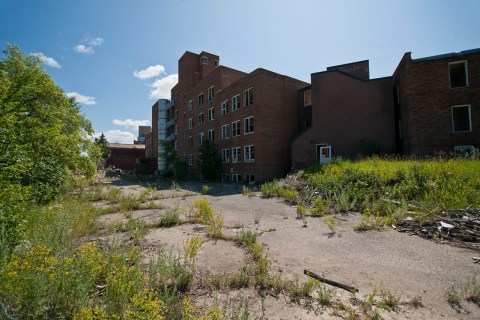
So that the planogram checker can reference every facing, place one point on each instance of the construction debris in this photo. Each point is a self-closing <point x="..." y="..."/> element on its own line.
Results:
<point x="460" y="228"/>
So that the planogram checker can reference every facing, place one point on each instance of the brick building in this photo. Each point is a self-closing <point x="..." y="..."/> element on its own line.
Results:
<point x="252" y="118"/>
<point x="125" y="156"/>
<point x="344" y="112"/>
<point x="437" y="103"/>
<point x="264" y="123"/>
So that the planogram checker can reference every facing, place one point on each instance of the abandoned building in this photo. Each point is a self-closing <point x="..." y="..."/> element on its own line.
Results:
<point x="264" y="124"/>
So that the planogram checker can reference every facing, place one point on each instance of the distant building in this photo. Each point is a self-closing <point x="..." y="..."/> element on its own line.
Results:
<point x="142" y="133"/>
<point x="125" y="156"/>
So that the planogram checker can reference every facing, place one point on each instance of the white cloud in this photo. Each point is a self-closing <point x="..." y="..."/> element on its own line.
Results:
<point x="130" y="123"/>
<point x="84" y="49"/>
<point x="48" y="61"/>
<point x="95" y="41"/>
<point x="87" y="45"/>
<point x="150" y="72"/>
<point x="161" y="88"/>
<point x="80" y="98"/>
<point x="119" y="136"/>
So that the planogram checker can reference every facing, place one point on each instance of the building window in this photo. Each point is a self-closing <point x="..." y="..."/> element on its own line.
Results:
<point x="190" y="105"/>
<point x="458" y="74"/>
<point x="249" y="153"/>
<point x="176" y="130"/>
<point x="216" y="63"/>
<point x="236" y="128"/>
<point x="211" y="93"/>
<point x="463" y="151"/>
<point x="225" y="155"/>
<point x="211" y="114"/>
<point x="203" y="60"/>
<point x="236" y="178"/>
<point x="190" y="159"/>
<point x="235" y="102"/>
<point x="249" y="178"/>
<point x="236" y="155"/>
<point x="248" y="97"/>
<point x="200" y="99"/>
<point x="176" y="145"/>
<point x="461" y="119"/>
<point x="176" y="114"/>
<point x="200" y="118"/>
<point x="190" y="123"/>
<point x="201" y="137"/>
<point x="224" y="107"/>
<point x="190" y="141"/>
<point x="248" y="125"/>
<point x="211" y="135"/>
<point x="225" y="131"/>
<point x="307" y="98"/>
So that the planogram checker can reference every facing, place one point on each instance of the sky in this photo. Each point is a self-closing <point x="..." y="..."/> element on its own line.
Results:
<point x="117" y="57"/>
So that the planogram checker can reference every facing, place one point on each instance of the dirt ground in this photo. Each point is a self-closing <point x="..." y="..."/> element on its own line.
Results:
<point x="407" y="266"/>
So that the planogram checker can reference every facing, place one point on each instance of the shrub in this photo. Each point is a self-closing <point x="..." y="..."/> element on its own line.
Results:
<point x="169" y="219"/>
<point x="301" y="212"/>
<point x="215" y="225"/>
<point x="270" y="189"/>
<point x="318" y="207"/>
<point x="205" y="189"/>
<point x="201" y="211"/>
<point x="291" y="194"/>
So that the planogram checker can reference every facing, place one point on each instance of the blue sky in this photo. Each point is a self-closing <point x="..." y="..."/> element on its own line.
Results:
<point x="117" y="56"/>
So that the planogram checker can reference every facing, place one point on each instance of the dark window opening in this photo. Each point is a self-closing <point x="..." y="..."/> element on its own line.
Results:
<point x="458" y="74"/>
<point x="461" y="119"/>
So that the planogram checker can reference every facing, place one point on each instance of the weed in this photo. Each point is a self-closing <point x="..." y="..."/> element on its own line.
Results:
<point x="205" y="189"/>
<point x="416" y="302"/>
<point x="246" y="238"/>
<point x="246" y="191"/>
<point x="301" y="212"/>
<point x="215" y="225"/>
<point x="191" y="246"/>
<point x="270" y="189"/>
<point x="331" y="222"/>
<point x="453" y="297"/>
<point x="388" y="300"/>
<point x="261" y="278"/>
<point x="290" y="194"/>
<point x="201" y="211"/>
<point x="169" y="219"/>
<point x="318" y="207"/>
<point x="168" y="274"/>
<point x="174" y="186"/>
<point x="472" y="290"/>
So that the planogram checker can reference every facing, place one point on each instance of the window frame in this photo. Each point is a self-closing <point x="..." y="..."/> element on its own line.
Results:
<point x="190" y="159"/>
<point x="201" y="138"/>
<point x="200" y="118"/>
<point x="465" y="66"/>
<point x="469" y="118"/>
<point x="190" y="123"/>
<point x="226" y="155"/>
<point x="211" y="135"/>
<point x="211" y="114"/>
<point x="210" y="93"/>
<point x="249" y="156"/>
<point x="247" y="123"/>
<point x="235" y="102"/>
<point x="224" y="108"/>
<point x="190" y="105"/>
<point x="200" y="99"/>
<point x="248" y="97"/>
<point x="238" y="129"/>
<point x="225" y="131"/>
<point x="236" y="154"/>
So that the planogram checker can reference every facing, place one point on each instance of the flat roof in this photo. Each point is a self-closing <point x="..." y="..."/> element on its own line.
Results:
<point x="125" y="146"/>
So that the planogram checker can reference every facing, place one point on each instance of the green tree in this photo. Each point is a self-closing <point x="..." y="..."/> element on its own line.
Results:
<point x="44" y="140"/>
<point x="102" y="143"/>
<point x="208" y="160"/>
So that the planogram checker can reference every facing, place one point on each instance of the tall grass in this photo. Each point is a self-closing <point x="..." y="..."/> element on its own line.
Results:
<point x="436" y="184"/>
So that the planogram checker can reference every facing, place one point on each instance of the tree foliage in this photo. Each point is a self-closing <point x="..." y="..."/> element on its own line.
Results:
<point x="208" y="160"/>
<point x="44" y="139"/>
<point x="102" y="143"/>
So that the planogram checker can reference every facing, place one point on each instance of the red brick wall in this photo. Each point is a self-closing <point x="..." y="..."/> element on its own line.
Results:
<point x="426" y="101"/>
<point x="346" y="110"/>
<point x="125" y="158"/>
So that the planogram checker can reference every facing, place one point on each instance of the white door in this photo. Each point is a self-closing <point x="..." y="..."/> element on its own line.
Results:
<point x="324" y="154"/>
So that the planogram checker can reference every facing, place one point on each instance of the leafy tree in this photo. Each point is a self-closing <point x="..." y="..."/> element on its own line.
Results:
<point x="44" y="140"/>
<point x="102" y="143"/>
<point x="208" y="160"/>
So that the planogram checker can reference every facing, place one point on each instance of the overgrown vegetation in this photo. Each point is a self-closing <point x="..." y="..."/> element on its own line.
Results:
<point x="44" y="143"/>
<point x="384" y="190"/>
